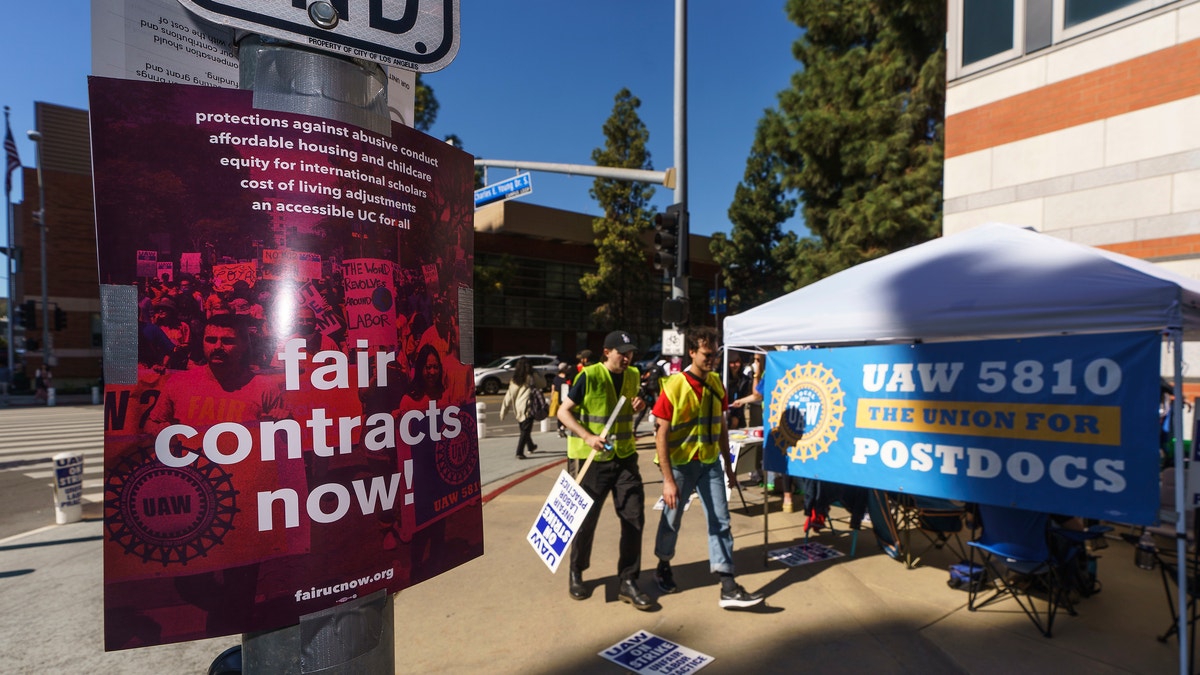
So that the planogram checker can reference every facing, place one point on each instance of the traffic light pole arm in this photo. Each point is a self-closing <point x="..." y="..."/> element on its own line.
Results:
<point x="665" y="178"/>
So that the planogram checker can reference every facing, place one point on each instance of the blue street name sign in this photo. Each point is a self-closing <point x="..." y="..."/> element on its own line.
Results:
<point x="516" y="186"/>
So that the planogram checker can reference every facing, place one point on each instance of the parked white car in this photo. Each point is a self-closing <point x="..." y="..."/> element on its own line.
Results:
<point x="495" y="376"/>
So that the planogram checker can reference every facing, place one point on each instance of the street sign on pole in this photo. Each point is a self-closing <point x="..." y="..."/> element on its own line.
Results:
<point x="521" y="184"/>
<point x="421" y="36"/>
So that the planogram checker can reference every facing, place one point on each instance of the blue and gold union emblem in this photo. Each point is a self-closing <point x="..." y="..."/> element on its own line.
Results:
<point x="806" y="411"/>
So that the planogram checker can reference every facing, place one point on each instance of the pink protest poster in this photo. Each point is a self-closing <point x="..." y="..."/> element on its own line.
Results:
<point x="299" y="429"/>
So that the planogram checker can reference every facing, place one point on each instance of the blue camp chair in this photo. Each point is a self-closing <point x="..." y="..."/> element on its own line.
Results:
<point x="1015" y="551"/>
<point x="937" y="522"/>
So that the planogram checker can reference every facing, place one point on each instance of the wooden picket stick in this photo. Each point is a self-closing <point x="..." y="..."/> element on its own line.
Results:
<point x="603" y="434"/>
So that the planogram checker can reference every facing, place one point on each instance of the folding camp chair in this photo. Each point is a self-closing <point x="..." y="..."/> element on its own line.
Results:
<point x="1076" y="567"/>
<point x="1166" y="557"/>
<point x="1016" y="553"/>
<point x="939" y="522"/>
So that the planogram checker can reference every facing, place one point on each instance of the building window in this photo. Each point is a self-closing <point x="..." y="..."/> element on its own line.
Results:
<point x="1076" y="17"/>
<point x="986" y="33"/>
<point x="1076" y="12"/>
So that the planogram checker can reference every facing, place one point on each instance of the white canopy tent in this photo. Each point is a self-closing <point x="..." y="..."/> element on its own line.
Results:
<point x="994" y="281"/>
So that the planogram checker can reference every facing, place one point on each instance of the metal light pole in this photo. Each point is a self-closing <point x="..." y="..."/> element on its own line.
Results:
<point x="12" y="271"/>
<point x="678" y="281"/>
<point x="284" y="77"/>
<point x="40" y="217"/>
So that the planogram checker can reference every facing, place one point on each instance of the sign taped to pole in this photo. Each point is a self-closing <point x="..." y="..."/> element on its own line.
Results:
<point x="292" y="463"/>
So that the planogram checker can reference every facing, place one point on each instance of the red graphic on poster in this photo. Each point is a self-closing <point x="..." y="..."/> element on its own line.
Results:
<point x="226" y="277"/>
<point x="370" y="301"/>
<point x="147" y="263"/>
<point x="291" y="265"/>
<point x="301" y="431"/>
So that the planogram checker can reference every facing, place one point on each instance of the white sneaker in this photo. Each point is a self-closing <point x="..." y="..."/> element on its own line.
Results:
<point x="738" y="597"/>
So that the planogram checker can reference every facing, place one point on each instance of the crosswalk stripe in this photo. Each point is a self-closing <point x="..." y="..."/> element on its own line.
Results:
<point x="32" y="437"/>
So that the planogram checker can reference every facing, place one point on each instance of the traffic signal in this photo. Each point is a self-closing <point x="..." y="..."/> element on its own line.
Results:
<point x="675" y="311"/>
<point x="60" y="319"/>
<point x="29" y="315"/>
<point x="667" y="228"/>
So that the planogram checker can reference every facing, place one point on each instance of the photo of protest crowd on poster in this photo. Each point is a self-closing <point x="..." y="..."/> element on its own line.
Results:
<point x="299" y="427"/>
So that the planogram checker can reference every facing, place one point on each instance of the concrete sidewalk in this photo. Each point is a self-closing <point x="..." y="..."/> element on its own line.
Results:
<point x="505" y="612"/>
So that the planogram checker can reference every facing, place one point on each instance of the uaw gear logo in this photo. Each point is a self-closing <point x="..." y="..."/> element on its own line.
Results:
<point x="166" y="514"/>
<point x="456" y="458"/>
<point x="806" y="411"/>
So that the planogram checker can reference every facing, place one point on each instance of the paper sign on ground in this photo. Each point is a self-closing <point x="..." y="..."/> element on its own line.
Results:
<point x="802" y="554"/>
<point x="645" y="652"/>
<point x="559" y="520"/>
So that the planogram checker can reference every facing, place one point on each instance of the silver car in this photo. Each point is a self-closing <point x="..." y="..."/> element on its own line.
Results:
<point x="493" y="377"/>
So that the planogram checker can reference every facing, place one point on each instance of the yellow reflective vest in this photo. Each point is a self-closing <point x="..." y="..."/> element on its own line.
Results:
<point x="599" y="399"/>
<point x="695" y="422"/>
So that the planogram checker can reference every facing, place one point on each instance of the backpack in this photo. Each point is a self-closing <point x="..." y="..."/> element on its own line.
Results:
<point x="538" y="408"/>
<point x="967" y="575"/>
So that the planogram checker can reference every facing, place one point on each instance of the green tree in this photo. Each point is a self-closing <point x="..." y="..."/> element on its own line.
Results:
<point x="756" y="254"/>
<point x="425" y="106"/>
<point x="620" y="285"/>
<point x="863" y="128"/>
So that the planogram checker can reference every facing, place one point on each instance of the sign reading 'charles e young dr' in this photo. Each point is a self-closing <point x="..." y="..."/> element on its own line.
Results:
<point x="521" y="184"/>
<point x="417" y="35"/>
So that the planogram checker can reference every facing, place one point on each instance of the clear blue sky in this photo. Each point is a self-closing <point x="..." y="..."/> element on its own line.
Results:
<point x="533" y="80"/>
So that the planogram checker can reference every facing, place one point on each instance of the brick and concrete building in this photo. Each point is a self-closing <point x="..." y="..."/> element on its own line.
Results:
<point x="72" y="284"/>
<point x="1078" y="118"/>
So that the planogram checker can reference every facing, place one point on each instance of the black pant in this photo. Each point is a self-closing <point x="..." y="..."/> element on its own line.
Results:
<point x="526" y="439"/>
<point x="622" y="478"/>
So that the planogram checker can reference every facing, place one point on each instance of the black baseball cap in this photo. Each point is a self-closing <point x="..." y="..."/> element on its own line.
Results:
<point x="620" y="341"/>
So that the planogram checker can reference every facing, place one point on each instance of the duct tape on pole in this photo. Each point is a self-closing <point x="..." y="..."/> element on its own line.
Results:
<point x="68" y="487"/>
<point x="481" y="419"/>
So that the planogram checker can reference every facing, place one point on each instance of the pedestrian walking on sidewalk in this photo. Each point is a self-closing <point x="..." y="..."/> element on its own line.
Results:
<point x="524" y="379"/>
<point x="41" y="384"/>
<point x="614" y="469"/>
<point x="687" y="444"/>
<point x="558" y="393"/>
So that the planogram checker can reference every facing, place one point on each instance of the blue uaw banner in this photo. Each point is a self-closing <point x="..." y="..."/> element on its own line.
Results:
<point x="1059" y="424"/>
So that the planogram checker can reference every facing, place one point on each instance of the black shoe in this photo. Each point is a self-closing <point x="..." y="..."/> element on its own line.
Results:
<point x="532" y="448"/>
<point x="665" y="579"/>
<point x="630" y="593"/>
<point x="738" y="597"/>
<point x="521" y="456"/>
<point x="576" y="587"/>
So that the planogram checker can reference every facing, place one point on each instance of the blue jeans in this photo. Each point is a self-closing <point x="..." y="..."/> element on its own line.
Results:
<point x="708" y="480"/>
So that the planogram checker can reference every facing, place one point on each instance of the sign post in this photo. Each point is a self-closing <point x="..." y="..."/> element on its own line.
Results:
<point x="422" y="36"/>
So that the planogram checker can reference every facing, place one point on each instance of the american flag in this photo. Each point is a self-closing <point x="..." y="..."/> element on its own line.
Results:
<point x="14" y="159"/>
